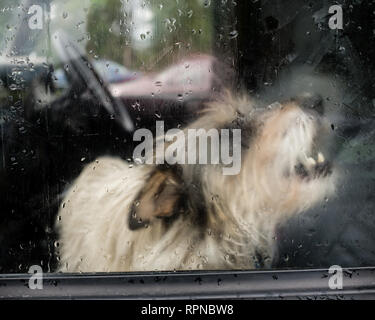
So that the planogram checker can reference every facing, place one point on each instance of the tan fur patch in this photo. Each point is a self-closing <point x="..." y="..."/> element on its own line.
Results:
<point x="158" y="198"/>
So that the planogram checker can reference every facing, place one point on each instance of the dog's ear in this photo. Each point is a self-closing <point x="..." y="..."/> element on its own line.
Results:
<point x="158" y="199"/>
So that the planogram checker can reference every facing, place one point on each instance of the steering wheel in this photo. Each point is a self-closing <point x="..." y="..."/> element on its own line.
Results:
<point x="83" y="76"/>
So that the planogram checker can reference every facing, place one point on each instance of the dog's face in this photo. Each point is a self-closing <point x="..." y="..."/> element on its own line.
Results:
<point x="288" y="164"/>
<point x="293" y="140"/>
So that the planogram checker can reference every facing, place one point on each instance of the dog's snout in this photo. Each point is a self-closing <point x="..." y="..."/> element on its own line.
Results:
<point x="312" y="102"/>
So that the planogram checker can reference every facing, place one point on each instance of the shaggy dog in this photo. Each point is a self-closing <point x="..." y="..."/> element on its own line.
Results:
<point x="120" y="216"/>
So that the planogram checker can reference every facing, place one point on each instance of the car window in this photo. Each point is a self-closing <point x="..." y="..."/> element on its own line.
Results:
<point x="142" y="135"/>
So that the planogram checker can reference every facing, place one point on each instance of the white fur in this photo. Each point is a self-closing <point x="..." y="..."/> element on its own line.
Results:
<point x="243" y="211"/>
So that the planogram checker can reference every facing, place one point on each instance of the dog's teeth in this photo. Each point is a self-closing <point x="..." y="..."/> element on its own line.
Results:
<point x="320" y="158"/>
<point x="311" y="161"/>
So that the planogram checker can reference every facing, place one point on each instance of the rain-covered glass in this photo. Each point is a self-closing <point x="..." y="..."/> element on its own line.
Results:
<point x="99" y="100"/>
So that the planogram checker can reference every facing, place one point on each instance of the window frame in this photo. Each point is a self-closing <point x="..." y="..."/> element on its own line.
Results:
<point x="358" y="283"/>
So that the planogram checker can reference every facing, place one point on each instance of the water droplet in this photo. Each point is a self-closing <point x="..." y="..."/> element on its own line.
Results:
<point x="65" y="15"/>
<point x="233" y="34"/>
<point x="13" y="87"/>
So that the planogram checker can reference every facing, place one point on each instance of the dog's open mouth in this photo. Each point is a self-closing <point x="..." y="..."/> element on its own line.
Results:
<point x="313" y="167"/>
